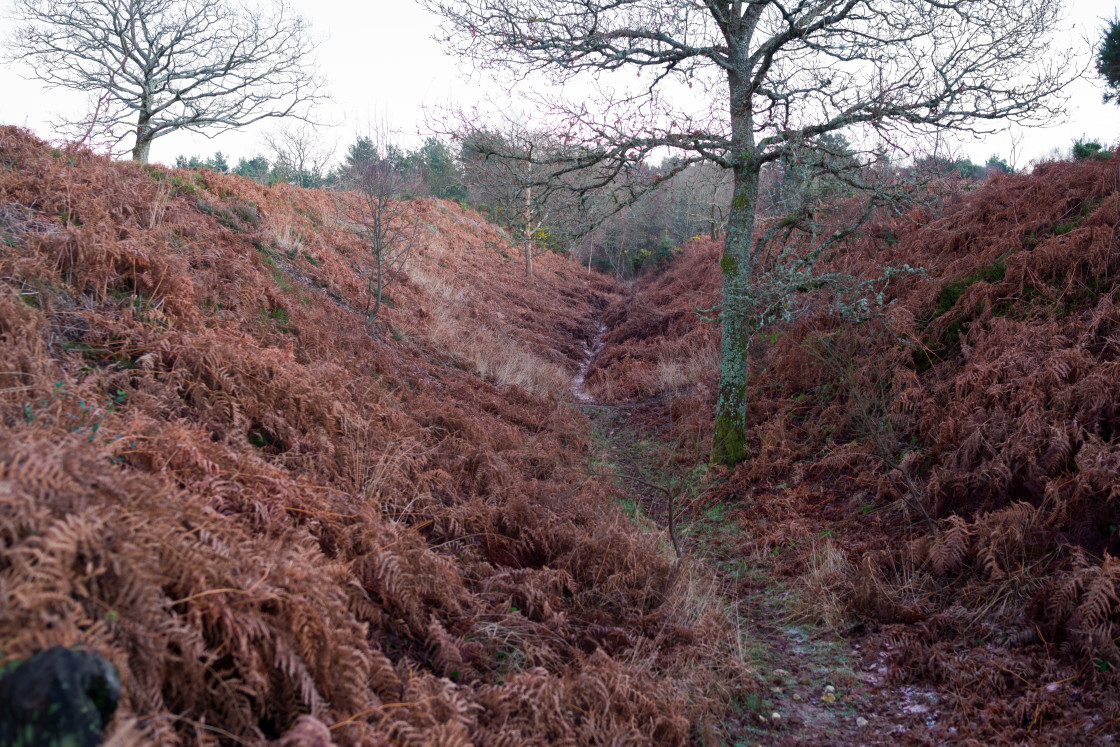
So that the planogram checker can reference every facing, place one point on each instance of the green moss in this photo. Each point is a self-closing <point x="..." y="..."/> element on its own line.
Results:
<point x="729" y="441"/>
<point x="259" y="439"/>
<point x="727" y="264"/>
<point x="951" y="292"/>
<point x="741" y="201"/>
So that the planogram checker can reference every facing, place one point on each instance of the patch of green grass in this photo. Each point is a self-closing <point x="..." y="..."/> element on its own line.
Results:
<point x="182" y="183"/>
<point x="948" y="343"/>
<point x="951" y="292"/>
<point x="60" y="155"/>
<point x="239" y="217"/>
<point x="69" y="217"/>
<point x="311" y="258"/>
<point x="277" y="315"/>
<point x="282" y="281"/>
<point x="716" y="512"/>
<point x="311" y="214"/>
<point x="31" y="298"/>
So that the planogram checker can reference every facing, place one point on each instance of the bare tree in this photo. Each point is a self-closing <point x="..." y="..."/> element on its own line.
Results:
<point x="506" y="172"/>
<point x="299" y="156"/>
<point x="157" y="66"/>
<point x="498" y="167"/>
<point x="746" y="83"/>
<point x="379" y="216"/>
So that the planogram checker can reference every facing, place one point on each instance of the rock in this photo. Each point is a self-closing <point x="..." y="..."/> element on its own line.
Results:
<point x="829" y="689"/>
<point x="862" y="722"/>
<point x="797" y="697"/>
<point x="781" y="673"/>
<point x="775" y="716"/>
<point x="58" y="697"/>
<point x="776" y="690"/>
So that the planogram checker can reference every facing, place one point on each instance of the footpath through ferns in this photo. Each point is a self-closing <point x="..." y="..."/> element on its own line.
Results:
<point x="812" y="688"/>
<point x="935" y="489"/>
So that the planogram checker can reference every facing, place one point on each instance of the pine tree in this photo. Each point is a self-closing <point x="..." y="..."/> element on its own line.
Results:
<point x="1108" y="61"/>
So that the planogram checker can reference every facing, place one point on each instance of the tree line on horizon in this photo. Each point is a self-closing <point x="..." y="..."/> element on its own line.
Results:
<point x="640" y="238"/>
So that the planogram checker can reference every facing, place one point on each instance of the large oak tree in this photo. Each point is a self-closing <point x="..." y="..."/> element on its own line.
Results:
<point x="746" y="83"/>
<point x="152" y="67"/>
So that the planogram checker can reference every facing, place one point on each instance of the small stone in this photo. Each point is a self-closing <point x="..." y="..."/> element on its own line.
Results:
<point x="776" y="690"/>
<point x="829" y="689"/>
<point x="781" y="673"/>
<point x="775" y="716"/>
<point x="797" y="697"/>
<point x="862" y="722"/>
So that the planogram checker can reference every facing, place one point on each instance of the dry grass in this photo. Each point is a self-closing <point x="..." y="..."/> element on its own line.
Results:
<point x="680" y="370"/>
<point x="823" y="595"/>
<point x="482" y="340"/>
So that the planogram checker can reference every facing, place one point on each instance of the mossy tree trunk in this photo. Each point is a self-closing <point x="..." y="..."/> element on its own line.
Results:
<point x="737" y="265"/>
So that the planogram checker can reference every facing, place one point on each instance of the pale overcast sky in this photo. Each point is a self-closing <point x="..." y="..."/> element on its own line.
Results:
<point x="380" y="58"/>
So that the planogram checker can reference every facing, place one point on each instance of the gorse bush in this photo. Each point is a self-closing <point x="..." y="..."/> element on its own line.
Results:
<point x="1086" y="149"/>
<point x="1108" y="61"/>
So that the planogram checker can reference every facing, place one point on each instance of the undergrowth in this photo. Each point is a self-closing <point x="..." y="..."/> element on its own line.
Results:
<point x="279" y="524"/>
<point x="952" y="485"/>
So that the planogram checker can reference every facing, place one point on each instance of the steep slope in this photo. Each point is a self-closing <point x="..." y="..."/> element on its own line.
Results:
<point x="945" y="472"/>
<point x="279" y="523"/>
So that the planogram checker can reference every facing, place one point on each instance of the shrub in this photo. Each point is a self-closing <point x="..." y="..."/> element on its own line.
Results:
<point x="1086" y="149"/>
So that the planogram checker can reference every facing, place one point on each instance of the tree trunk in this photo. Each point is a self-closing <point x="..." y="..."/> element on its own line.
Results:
<point x="529" y="232"/>
<point x="380" y="289"/>
<point x="729" y="437"/>
<point x="737" y="264"/>
<point x="143" y="145"/>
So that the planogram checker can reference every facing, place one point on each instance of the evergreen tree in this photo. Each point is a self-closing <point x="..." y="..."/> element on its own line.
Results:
<point x="362" y="151"/>
<point x="217" y="162"/>
<point x="995" y="163"/>
<point x="1108" y="60"/>
<point x="256" y="168"/>
<point x="441" y="172"/>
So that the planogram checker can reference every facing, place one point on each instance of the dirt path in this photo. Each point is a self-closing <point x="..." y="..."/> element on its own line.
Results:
<point x="816" y="686"/>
